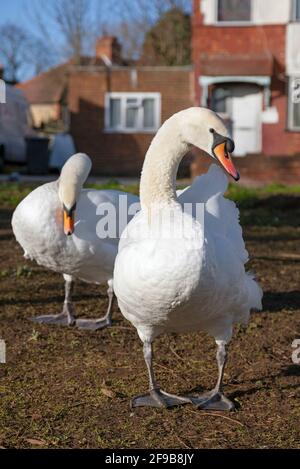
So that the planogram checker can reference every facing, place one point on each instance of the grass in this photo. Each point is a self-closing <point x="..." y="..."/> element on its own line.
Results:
<point x="66" y="388"/>
<point x="11" y="194"/>
<point x="246" y="196"/>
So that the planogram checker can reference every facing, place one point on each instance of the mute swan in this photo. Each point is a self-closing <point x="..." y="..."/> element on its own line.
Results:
<point x="170" y="280"/>
<point x="43" y="222"/>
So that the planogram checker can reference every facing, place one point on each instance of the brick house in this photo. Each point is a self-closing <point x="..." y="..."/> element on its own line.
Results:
<point x="115" y="111"/>
<point x="111" y="107"/>
<point x="247" y="68"/>
<point x="116" y="108"/>
<point x="47" y="92"/>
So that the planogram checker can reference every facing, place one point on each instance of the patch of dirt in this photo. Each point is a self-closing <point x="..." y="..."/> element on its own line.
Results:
<point x="66" y="388"/>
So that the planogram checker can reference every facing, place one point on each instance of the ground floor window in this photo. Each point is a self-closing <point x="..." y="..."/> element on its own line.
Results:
<point x="132" y="112"/>
<point x="294" y="104"/>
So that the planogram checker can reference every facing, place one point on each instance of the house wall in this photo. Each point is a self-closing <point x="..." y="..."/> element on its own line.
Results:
<point x="256" y="169"/>
<point x="292" y="49"/>
<point x="117" y="153"/>
<point x="263" y="11"/>
<point x="251" y="41"/>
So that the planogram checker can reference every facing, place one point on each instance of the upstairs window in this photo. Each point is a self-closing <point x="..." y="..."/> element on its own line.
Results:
<point x="229" y="11"/>
<point x="296" y="10"/>
<point x="132" y="112"/>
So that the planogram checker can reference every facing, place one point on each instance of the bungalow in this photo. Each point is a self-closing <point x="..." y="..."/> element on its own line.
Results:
<point x="247" y="68"/>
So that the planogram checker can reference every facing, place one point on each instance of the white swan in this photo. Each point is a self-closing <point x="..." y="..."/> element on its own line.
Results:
<point x="179" y="273"/>
<point x="42" y="221"/>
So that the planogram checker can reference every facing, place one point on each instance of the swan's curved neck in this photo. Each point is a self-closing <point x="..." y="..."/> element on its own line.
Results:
<point x="71" y="181"/>
<point x="72" y="177"/>
<point x="158" y="180"/>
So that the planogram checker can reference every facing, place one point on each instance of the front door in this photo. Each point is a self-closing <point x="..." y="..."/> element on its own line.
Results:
<point x="241" y="106"/>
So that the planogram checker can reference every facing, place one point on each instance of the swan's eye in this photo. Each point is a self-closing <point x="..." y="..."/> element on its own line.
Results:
<point x="211" y="131"/>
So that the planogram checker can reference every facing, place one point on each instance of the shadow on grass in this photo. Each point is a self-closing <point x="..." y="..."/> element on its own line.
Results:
<point x="277" y="301"/>
<point x="5" y="218"/>
<point x="50" y="299"/>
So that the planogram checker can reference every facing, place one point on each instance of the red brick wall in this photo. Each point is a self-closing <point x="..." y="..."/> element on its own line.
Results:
<point x="121" y="154"/>
<point x="209" y="39"/>
<point x="277" y="139"/>
<point x="256" y="169"/>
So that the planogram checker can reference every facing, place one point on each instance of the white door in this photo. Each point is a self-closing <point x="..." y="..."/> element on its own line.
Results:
<point x="243" y="106"/>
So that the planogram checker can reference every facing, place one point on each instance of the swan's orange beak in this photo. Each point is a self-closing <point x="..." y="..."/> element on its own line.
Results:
<point x="68" y="222"/>
<point x="225" y="159"/>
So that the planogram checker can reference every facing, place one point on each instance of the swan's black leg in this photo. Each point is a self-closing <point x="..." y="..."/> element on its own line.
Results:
<point x="101" y="323"/>
<point x="215" y="399"/>
<point x="155" y="397"/>
<point x="66" y="317"/>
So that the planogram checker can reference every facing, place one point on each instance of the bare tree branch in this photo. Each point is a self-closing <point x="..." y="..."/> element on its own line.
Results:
<point x="70" y="27"/>
<point x="13" y="45"/>
<point x="137" y="17"/>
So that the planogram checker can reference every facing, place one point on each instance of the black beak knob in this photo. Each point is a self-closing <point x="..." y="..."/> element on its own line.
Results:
<point x="229" y="145"/>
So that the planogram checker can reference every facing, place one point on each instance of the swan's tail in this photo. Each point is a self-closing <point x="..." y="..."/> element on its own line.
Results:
<point x="249" y="301"/>
<point x="255" y="293"/>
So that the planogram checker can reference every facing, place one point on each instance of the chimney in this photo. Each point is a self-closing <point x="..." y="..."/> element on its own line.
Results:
<point x="1" y="71"/>
<point x="109" y="47"/>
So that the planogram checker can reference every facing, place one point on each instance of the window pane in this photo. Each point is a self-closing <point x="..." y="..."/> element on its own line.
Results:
<point x="149" y="121"/>
<point x="131" y="113"/>
<point x="131" y="118"/>
<point x="297" y="10"/>
<point x="220" y="96"/>
<point x="295" y="102"/>
<point x="114" y="112"/>
<point x="234" y="10"/>
<point x="296" y="115"/>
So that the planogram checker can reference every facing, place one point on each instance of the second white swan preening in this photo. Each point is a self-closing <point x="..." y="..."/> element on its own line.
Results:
<point x="170" y="279"/>
<point x="45" y="220"/>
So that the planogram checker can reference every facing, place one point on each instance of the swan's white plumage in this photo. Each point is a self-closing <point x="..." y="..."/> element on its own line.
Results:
<point x="185" y="284"/>
<point x="38" y="227"/>
<point x="179" y="268"/>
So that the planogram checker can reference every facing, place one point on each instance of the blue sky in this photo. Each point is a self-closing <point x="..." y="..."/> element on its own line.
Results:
<point x="22" y="13"/>
<point x="18" y="11"/>
<point x="14" y="11"/>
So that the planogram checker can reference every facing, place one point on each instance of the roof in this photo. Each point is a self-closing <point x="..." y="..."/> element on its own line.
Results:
<point x="49" y="87"/>
<point x="236" y="64"/>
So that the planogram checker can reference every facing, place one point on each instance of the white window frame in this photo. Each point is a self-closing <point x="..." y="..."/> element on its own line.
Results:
<point x="132" y="95"/>
<point x="232" y="22"/>
<point x="291" y="125"/>
<point x="294" y="10"/>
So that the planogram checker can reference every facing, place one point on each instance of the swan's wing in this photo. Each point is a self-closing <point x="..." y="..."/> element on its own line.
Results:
<point x="205" y="186"/>
<point x="221" y="214"/>
<point x="109" y="209"/>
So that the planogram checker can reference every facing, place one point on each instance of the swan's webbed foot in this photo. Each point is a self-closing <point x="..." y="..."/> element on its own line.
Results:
<point x="93" y="324"/>
<point x="212" y="400"/>
<point x="66" y="317"/>
<point x="102" y="323"/>
<point x="158" y="398"/>
<point x="215" y="399"/>
<point x="58" y="319"/>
